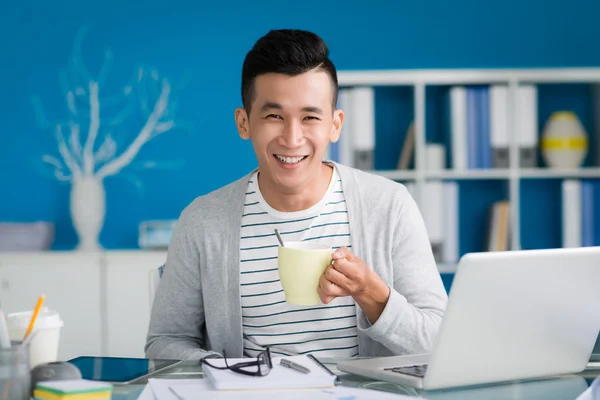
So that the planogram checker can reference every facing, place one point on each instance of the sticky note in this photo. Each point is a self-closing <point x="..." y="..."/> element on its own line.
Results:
<point x="72" y="390"/>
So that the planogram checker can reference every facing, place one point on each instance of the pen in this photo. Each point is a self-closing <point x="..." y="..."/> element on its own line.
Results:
<point x="175" y="393"/>
<point x="34" y="316"/>
<point x="293" y="365"/>
<point x="337" y="379"/>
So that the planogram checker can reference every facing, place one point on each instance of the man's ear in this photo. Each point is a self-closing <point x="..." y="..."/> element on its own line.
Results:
<point x="338" y="121"/>
<point x="241" y="122"/>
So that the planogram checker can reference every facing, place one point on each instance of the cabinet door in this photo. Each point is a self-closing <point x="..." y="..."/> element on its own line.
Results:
<point x="128" y="299"/>
<point x="71" y="283"/>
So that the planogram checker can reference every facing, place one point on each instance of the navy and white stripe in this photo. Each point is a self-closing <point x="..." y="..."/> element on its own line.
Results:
<point x="325" y="330"/>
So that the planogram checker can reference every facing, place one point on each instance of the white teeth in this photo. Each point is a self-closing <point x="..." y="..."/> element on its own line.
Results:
<point x="289" y="160"/>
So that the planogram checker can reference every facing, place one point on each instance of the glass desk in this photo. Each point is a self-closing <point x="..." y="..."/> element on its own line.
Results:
<point x="563" y="387"/>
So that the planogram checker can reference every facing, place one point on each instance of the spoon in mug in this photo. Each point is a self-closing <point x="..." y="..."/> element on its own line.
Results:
<point x="279" y="238"/>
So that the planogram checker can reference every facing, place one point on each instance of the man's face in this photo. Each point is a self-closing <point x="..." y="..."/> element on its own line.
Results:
<point x="291" y="123"/>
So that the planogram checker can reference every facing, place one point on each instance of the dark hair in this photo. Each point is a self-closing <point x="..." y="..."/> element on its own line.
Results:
<point x="286" y="51"/>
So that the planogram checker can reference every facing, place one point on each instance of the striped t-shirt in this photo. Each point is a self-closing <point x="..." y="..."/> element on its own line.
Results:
<point x="326" y="330"/>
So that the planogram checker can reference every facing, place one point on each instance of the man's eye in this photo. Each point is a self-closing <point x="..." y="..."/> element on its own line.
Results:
<point x="310" y="117"/>
<point x="273" y="116"/>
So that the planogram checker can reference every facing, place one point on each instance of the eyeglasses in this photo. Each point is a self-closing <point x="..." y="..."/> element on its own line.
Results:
<point x="259" y="367"/>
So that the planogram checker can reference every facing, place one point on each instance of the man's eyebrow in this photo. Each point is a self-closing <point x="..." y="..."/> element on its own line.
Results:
<point x="315" y="110"/>
<point x="271" y="105"/>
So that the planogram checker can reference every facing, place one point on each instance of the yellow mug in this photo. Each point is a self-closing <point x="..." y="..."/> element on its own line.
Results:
<point x="300" y="266"/>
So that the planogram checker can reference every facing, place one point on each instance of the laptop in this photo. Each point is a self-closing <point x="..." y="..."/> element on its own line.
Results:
<point x="511" y="315"/>
<point x="595" y="358"/>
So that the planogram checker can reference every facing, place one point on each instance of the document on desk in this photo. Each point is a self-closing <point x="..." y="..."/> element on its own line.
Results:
<point x="591" y="393"/>
<point x="146" y="394"/>
<point x="316" y="376"/>
<point x="193" y="392"/>
<point x="161" y="389"/>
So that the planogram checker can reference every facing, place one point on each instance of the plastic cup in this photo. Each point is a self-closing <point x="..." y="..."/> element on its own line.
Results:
<point x="43" y="347"/>
<point x="301" y="265"/>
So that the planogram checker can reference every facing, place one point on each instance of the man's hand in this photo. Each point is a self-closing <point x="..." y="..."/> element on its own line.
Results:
<point x="348" y="275"/>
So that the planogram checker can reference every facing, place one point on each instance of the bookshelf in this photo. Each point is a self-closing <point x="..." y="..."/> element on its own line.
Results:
<point x="522" y="173"/>
<point x="467" y="76"/>
<point x="514" y="176"/>
<point x="541" y="173"/>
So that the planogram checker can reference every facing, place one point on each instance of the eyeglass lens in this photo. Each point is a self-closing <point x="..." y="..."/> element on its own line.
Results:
<point x="263" y="364"/>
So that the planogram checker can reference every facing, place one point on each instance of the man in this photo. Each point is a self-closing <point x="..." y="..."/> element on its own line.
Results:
<point x="221" y="292"/>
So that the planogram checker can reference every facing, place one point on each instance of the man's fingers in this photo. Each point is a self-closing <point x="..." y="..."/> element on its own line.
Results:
<point x="325" y="299"/>
<point x="329" y="288"/>
<point x="342" y="252"/>
<point x="346" y="268"/>
<point x="333" y="275"/>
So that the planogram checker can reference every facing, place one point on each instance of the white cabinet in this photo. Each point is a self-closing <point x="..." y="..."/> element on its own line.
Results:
<point x="71" y="283"/>
<point x="103" y="298"/>
<point x="128" y="299"/>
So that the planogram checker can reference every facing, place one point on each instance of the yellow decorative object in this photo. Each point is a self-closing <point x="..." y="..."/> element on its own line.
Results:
<point x="564" y="141"/>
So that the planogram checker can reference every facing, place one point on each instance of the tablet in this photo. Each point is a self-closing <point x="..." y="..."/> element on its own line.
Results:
<point x="119" y="369"/>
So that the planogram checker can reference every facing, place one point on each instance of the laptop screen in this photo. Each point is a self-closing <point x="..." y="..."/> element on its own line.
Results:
<point x="596" y="352"/>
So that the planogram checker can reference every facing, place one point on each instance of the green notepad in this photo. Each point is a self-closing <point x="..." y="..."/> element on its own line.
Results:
<point x="72" y="390"/>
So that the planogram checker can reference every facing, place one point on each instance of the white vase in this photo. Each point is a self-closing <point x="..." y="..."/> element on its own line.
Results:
<point x="88" y="209"/>
<point x="564" y="141"/>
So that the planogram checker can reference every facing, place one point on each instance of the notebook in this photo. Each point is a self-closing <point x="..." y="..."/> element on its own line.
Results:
<point x="280" y="377"/>
<point x="72" y="389"/>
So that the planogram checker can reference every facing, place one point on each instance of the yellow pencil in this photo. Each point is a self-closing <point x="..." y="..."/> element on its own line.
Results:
<point x="34" y="316"/>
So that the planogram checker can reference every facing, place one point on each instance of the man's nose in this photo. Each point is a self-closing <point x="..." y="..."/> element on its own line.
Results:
<point x="293" y="135"/>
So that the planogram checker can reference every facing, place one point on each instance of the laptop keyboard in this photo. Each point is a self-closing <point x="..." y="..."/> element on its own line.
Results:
<point x="413" y="370"/>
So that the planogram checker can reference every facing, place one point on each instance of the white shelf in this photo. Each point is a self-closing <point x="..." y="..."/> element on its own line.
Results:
<point x="469" y="174"/>
<point x="396" y="175"/>
<point x="541" y="173"/>
<point x="447" y="268"/>
<point x="467" y="76"/>
<point x="473" y="174"/>
<point x="401" y="175"/>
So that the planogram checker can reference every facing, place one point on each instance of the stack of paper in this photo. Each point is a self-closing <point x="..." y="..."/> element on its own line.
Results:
<point x="279" y="377"/>
<point x="72" y="389"/>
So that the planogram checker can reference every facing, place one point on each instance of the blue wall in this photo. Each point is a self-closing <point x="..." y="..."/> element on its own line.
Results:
<point x="203" y="47"/>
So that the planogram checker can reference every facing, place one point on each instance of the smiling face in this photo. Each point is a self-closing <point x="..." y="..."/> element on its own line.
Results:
<point x="291" y="122"/>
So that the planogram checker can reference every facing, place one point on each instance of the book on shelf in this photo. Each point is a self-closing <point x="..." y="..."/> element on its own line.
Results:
<point x="499" y="128"/>
<point x="356" y="144"/>
<point x="479" y="126"/>
<point x="408" y="148"/>
<point x="450" y="223"/>
<point x="439" y="206"/>
<point x="498" y="238"/>
<point x="362" y="119"/>
<point x="527" y="123"/>
<point x="580" y="213"/>
<point x="571" y="213"/>
<point x="432" y="208"/>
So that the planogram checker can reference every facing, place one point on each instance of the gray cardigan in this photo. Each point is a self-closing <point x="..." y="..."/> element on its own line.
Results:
<point x="197" y="308"/>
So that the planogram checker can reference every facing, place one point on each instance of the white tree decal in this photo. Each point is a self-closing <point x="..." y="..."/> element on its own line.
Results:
<point x="84" y="163"/>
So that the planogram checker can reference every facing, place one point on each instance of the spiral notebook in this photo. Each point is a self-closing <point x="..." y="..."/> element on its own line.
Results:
<point x="279" y="377"/>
